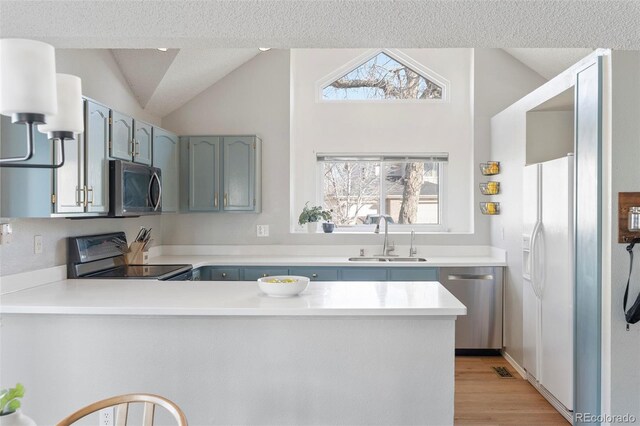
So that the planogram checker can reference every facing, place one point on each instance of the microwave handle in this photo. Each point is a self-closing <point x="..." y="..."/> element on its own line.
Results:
<point x="157" y="203"/>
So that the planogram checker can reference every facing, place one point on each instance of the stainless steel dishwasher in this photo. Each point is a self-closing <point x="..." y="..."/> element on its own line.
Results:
<point x="480" y="290"/>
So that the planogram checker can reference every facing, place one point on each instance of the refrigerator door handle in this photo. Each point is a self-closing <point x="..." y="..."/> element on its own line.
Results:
<point x="533" y="262"/>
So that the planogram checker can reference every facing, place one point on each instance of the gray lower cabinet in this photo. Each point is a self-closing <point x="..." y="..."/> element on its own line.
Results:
<point x="216" y="274"/>
<point x="79" y="187"/>
<point x="363" y="274"/>
<point x="316" y="274"/>
<point x="413" y="274"/>
<point x="253" y="273"/>
<point x="224" y="173"/>
<point x="165" y="157"/>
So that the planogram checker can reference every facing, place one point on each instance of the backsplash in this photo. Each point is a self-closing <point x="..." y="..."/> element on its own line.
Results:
<point x="18" y="256"/>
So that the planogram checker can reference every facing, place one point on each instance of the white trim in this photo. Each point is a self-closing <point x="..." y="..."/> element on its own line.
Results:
<point x="395" y="54"/>
<point x="521" y="371"/>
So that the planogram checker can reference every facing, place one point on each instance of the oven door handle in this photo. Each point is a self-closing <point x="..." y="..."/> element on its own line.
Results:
<point x="155" y="204"/>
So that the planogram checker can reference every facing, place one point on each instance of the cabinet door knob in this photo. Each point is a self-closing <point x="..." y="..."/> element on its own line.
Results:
<point x="224" y="275"/>
<point x="264" y="275"/>
<point x="314" y="275"/>
<point x="225" y="201"/>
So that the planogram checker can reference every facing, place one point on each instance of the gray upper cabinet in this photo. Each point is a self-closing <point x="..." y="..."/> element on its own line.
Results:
<point x="165" y="157"/>
<point x="224" y="173"/>
<point x="131" y="140"/>
<point x="96" y="137"/>
<point x="82" y="184"/>
<point x="239" y="173"/>
<point x="142" y="142"/>
<point x="204" y="173"/>
<point x="69" y="179"/>
<point x="121" y="136"/>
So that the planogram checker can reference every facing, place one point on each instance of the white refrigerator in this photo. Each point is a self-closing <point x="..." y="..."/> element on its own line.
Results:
<point x="548" y="275"/>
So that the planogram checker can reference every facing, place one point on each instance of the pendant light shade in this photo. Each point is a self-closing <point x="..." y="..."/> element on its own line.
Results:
<point x="69" y="118"/>
<point x="27" y="77"/>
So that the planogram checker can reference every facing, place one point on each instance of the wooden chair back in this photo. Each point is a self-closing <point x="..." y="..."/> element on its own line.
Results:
<point x="121" y="402"/>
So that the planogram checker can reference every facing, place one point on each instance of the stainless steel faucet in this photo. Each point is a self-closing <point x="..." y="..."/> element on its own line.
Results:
<point x="413" y="250"/>
<point x="386" y="249"/>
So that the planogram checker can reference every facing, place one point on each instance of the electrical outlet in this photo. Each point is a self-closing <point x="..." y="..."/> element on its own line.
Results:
<point x="37" y="244"/>
<point x="263" y="230"/>
<point x="107" y="416"/>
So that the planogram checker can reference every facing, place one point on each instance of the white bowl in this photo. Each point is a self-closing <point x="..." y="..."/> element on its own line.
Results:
<point x="279" y="289"/>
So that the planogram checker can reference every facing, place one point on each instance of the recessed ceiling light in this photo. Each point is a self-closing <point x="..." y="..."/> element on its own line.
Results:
<point x="264" y="49"/>
<point x="163" y="49"/>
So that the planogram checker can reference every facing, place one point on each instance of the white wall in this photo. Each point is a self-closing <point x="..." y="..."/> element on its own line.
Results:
<point x="255" y="98"/>
<point x="383" y="127"/>
<point x="102" y="81"/>
<point x="499" y="81"/>
<point x="550" y="135"/>
<point x="621" y="348"/>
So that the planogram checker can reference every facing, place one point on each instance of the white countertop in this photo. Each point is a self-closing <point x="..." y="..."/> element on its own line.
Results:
<point x="342" y="261"/>
<point x="239" y="298"/>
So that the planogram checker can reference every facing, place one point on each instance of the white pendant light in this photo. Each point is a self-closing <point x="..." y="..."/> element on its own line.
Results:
<point x="27" y="79"/>
<point x="29" y="94"/>
<point x="68" y="121"/>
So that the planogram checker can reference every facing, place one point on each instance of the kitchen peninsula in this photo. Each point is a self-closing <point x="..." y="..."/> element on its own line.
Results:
<point x="364" y="353"/>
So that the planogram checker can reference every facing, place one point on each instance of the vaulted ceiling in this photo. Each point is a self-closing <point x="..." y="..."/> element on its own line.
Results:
<point x="164" y="81"/>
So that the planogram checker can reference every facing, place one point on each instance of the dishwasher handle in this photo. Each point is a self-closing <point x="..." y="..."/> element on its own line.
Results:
<point x="469" y="277"/>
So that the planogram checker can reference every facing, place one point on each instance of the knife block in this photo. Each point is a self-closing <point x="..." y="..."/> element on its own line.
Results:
<point x="136" y="255"/>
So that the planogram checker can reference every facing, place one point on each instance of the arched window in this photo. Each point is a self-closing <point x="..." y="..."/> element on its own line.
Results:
<point x="384" y="75"/>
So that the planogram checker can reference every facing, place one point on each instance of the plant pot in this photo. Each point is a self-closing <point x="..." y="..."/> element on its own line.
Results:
<point x="16" y="419"/>
<point x="328" y="227"/>
<point x="312" y="227"/>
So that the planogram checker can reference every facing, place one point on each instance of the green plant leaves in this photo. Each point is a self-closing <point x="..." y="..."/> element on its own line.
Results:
<point x="9" y="401"/>
<point x="313" y="214"/>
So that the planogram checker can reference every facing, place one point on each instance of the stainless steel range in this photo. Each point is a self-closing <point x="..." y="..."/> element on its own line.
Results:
<point x="102" y="256"/>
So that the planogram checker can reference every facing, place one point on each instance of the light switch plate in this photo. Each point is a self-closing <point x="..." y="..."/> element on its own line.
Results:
<point x="263" y="230"/>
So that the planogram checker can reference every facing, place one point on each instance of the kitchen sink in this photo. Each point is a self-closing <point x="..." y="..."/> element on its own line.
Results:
<point x="387" y="259"/>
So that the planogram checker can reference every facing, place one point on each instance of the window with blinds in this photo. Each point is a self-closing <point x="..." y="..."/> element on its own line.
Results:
<point x="361" y="188"/>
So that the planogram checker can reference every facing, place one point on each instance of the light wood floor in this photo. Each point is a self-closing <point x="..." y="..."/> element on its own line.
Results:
<point x="483" y="398"/>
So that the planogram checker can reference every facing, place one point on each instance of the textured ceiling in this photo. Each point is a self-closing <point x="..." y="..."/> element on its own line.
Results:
<point x="325" y="23"/>
<point x="548" y="62"/>
<point x="210" y="38"/>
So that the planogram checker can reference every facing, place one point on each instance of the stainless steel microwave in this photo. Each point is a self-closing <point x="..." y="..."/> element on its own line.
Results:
<point x="134" y="189"/>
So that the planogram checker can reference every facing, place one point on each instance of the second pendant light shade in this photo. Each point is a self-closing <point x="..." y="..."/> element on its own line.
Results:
<point x="69" y="117"/>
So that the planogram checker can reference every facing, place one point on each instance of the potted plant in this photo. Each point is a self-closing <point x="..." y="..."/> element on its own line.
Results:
<point x="312" y="215"/>
<point x="10" y="414"/>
